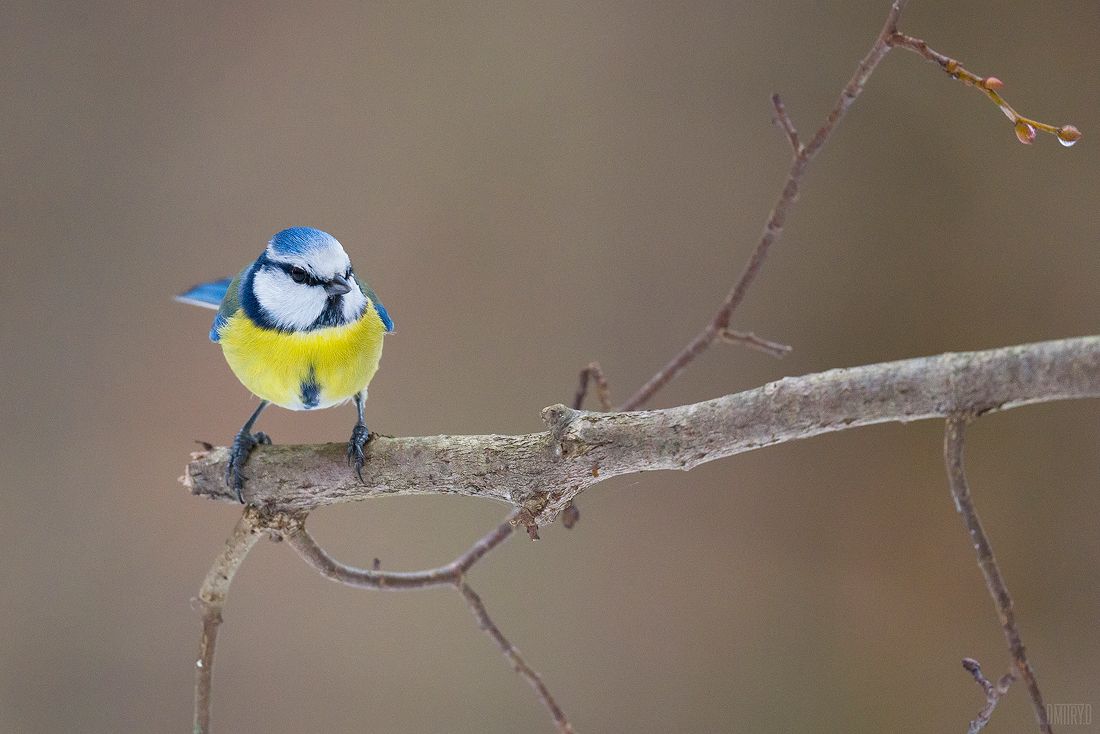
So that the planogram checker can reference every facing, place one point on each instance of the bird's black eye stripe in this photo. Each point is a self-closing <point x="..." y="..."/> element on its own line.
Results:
<point x="298" y="274"/>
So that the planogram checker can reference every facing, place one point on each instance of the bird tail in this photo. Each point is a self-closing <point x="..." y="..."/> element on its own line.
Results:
<point x="207" y="295"/>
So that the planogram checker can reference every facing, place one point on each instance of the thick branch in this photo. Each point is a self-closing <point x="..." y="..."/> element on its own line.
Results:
<point x="541" y="472"/>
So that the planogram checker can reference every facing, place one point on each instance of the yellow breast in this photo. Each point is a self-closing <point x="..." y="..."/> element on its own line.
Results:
<point x="303" y="370"/>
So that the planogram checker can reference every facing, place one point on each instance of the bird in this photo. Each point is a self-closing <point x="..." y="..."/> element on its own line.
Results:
<point x="300" y="330"/>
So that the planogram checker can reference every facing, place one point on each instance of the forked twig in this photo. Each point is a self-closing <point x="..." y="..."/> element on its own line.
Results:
<point x="888" y="38"/>
<point x="452" y="574"/>
<point x="291" y="527"/>
<point x="1025" y="127"/>
<point x="752" y="341"/>
<point x="783" y="120"/>
<point x="993" y="693"/>
<point x="773" y="229"/>
<point x="954" y="439"/>
<point x="603" y="393"/>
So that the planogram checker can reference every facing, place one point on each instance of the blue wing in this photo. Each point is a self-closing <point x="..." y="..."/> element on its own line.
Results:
<point x="219" y="294"/>
<point x="207" y="295"/>
<point x="384" y="315"/>
<point x="378" y="307"/>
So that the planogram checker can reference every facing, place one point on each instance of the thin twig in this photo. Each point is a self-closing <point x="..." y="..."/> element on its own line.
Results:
<point x="485" y="622"/>
<point x="786" y="124"/>
<point x="451" y="574"/>
<point x="1025" y="126"/>
<point x="603" y="393"/>
<point x="446" y="575"/>
<point x="993" y="693"/>
<point x="752" y="341"/>
<point x="773" y="229"/>
<point x="953" y="443"/>
<point x="211" y="600"/>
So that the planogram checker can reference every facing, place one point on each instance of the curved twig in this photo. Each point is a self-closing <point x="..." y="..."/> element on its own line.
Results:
<point x="447" y="575"/>
<point x="452" y="574"/>
<point x="211" y="601"/>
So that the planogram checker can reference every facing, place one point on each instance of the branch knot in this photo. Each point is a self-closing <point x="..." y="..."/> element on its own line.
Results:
<point x="558" y="418"/>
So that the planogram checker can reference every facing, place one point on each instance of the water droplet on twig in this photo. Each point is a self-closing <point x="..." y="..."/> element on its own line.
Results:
<point x="1025" y="133"/>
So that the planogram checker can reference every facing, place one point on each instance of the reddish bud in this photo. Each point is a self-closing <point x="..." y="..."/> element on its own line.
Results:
<point x="1025" y="133"/>
<point x="1068" y="135"/>
<point x="992" y="82"/>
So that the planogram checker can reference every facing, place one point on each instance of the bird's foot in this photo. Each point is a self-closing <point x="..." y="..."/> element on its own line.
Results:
<point x="238" y="455"/>
<point x="360" y="437"/>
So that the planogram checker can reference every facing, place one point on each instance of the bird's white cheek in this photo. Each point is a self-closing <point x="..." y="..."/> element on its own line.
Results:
<point x="353" y="303"/>
<point x="290" y="305"/>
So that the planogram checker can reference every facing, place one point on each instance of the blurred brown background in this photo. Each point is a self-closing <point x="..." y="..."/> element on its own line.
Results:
<point x="530" y="186"/>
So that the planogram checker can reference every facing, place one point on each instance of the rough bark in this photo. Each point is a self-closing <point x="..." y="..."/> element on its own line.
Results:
<point x="541" y="472"/>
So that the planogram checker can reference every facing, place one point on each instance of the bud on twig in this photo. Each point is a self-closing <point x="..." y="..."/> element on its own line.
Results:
<point x="1068" y="135"/>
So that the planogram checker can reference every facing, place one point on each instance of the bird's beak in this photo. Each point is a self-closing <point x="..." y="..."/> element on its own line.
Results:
<point x="338" y="286"/>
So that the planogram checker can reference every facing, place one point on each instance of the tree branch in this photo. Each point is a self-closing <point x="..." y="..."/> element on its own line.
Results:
<point x="752" y="341"/>
<point x="448" y="575"/>
<point x="211" y="601"/>
<point x="953" y="443"/>
<point x="773" y="228"/>
<point x="485" y="622"/>
<point x="1025" y="127"/>
<point x="452" y="574"/>
<point x="541" y="472"/>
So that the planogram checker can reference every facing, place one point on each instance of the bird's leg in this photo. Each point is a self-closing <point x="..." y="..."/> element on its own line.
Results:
<point x="242" y="447"/>
<point x="359" y="438"/>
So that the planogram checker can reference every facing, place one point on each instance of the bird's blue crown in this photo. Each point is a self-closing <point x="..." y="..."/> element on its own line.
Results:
<point x="301" y="241"/>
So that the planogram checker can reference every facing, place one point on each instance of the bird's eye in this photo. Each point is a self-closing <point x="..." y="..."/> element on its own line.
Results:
<point x="298" y="275"/>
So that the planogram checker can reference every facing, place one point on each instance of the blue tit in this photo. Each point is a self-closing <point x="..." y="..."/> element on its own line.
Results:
<point x="300" y="330"/>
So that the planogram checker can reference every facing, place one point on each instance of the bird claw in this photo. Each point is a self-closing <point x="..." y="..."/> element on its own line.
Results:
<point x="360" y="437"/>
<point x="238" y="456"/>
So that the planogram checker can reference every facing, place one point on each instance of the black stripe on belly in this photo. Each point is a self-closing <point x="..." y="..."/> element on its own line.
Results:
<point x="309" y="390"/>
